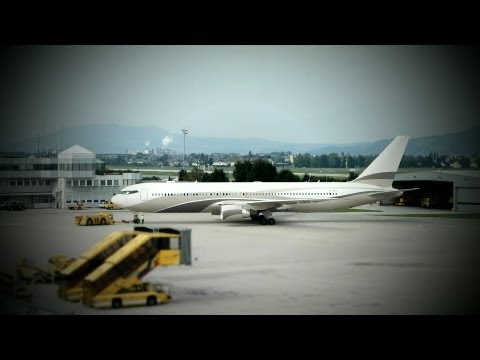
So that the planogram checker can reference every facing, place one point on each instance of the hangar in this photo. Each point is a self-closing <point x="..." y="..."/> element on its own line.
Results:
<point x="458" y="190"/>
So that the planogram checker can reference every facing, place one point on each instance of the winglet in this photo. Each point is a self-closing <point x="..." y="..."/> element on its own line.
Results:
<point x="383" y="169"/>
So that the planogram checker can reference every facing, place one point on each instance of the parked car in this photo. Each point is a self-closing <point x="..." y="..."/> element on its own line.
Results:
<point x="12" y="205"/>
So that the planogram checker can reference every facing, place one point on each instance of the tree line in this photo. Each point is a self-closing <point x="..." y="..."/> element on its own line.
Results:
<point x="257" y="170"/>
<point x="334" y="160"/>
<point x="217" y="175"/>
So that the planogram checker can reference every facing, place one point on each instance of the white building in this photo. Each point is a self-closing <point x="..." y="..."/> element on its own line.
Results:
<point x="57" y="182"/>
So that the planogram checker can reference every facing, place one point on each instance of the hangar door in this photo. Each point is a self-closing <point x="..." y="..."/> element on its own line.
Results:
<point x="468" y="199"/>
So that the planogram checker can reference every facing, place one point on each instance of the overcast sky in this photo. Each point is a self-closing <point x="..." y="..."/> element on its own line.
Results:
<point x="301" y="94"/>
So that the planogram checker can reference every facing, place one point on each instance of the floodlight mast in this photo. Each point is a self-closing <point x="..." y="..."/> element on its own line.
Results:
<point x="185" y="132"/>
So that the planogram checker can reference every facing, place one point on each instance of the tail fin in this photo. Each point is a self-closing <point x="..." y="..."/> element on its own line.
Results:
<point x="383" y="169"/>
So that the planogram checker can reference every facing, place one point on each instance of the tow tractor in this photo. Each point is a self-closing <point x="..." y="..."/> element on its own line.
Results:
<point x="102" y="218"/>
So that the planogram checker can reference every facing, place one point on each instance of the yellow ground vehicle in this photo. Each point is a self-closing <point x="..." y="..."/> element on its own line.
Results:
<point x="141" y="294"/>
<point x="79" y="205"/>
<point x="111" y="206"/>
<point x="70" y="284"/>
<point x="103" y="218"/>
<point x="110" y="274"/>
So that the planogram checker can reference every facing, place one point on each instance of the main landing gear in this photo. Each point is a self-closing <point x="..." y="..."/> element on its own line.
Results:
<point x="263" y="218"/>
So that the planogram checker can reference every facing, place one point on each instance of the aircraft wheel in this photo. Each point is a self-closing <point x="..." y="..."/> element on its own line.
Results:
<point x="116" y="303"/>
<point x="262" y="220"/>
<point x="151" y="300"/>
<point x="271" y="221"/>
<point x="89" y="222"/>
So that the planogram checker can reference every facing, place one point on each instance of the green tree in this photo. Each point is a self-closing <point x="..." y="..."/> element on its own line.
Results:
<point x="360" y="163"/>
<point x="350" y="161"/>
<point x="259" y="170"/>
<point x="286" y="175"/>
<point x="352" y="175"/>
<point x="303" y="160"/>
<point x="218" y="175"/>
<point x="182" y="175"/>
<point x="263" y="171"/>
<point x="195" y="175"/>
<point x="242" y="171"/>
<point x="323" y="161"/>
<point x="334" y="160"/>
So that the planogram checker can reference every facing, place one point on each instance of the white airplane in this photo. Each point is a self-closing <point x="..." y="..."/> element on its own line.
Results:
<point x="258" y="200"/>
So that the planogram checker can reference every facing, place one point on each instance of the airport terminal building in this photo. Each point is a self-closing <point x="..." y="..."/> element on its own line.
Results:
<point x="55" y="182"/>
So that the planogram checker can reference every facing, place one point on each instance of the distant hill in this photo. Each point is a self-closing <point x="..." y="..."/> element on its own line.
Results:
<point x="104" y="139"/>
<point x="460" y="143"/>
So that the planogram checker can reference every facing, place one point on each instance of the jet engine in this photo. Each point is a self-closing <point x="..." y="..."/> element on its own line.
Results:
<point x="229" y="210"/>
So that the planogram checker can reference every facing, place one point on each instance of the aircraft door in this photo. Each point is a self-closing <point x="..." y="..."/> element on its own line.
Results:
<point x="143" y="195"/>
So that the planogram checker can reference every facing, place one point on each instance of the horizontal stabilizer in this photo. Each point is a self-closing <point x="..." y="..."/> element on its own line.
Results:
<point x="407" y="190"/>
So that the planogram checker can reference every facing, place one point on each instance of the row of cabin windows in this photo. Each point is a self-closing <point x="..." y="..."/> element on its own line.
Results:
<point x="239" y="194"/>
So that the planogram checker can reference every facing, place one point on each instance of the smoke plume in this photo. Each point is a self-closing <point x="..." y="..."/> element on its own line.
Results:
<point x="166" y="141"/>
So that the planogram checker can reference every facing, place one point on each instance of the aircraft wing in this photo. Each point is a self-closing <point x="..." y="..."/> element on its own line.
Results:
<point x="272" y="204"/>
<point x="275" y="204"/>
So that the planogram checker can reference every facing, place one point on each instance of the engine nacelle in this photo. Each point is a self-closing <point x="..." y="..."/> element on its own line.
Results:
<point x="230" y="210"/>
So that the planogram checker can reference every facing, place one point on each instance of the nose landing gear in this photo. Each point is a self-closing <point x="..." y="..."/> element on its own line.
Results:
<point x="136" y="219"/>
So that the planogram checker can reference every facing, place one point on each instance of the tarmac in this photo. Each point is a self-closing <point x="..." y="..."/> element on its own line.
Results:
<point x="322" y="263"/>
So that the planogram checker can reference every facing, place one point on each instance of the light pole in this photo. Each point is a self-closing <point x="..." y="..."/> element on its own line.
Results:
<point x="185" y="132"/>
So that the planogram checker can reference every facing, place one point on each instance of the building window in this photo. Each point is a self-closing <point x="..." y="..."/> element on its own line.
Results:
<point x="102" y="182"/>
<point x="89" y="182"/>
<point x="109" y="182"/>
<point x="19" y="182"/>
<point x="43" y="199"/>
<point x="13" y="183"/>
<point x="96" y="182"/>
<point x="115" y="182"/>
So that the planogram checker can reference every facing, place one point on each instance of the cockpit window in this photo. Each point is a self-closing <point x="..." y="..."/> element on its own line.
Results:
<point x="128" y="192"/>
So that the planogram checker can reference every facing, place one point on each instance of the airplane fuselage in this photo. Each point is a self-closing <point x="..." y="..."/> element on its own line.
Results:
<point x="183" y="197"/>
